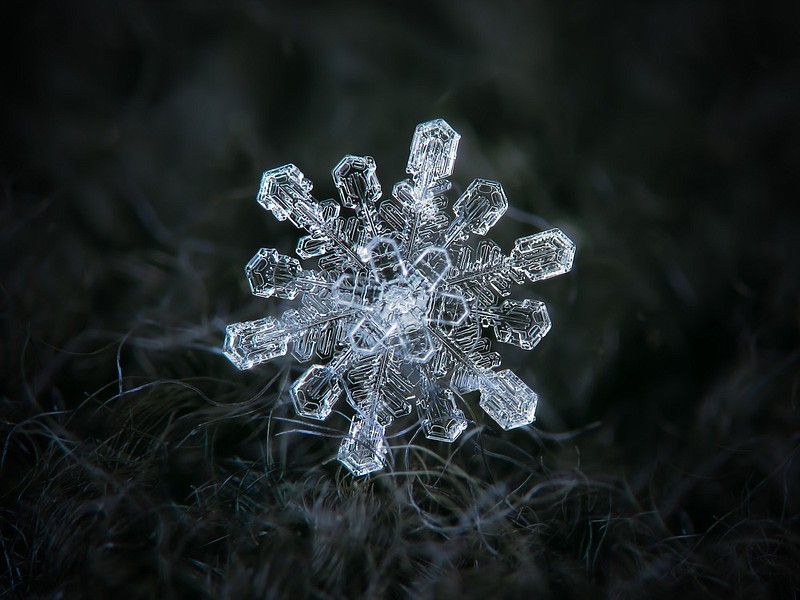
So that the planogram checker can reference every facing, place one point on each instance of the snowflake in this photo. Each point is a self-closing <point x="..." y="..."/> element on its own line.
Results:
<point x="399" y="303"/>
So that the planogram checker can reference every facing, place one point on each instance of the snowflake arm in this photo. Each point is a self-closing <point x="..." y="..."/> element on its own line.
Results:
<point x="534" y="257"/>
<point x="440" y="417"/>
<point x="420" y="197"/>
<point x="315" y="327"/>
<point x="477" y="210"/>
<point x="359" y="188"/>
<point x="287" y="194"/>
<point x="399" y="304"/>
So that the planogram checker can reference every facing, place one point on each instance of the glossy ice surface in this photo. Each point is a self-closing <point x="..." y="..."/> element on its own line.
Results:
<point x="399" y="303"/>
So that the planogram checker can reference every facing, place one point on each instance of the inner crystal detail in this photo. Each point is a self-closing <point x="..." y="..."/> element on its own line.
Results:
<point x="405" y="303"/>
<point x="399" y="304"/>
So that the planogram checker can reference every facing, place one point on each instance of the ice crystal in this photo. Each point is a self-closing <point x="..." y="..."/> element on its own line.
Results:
<point x="399" y="302"/>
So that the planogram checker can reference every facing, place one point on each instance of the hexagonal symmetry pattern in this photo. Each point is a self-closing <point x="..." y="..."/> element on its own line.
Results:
<point x="396" y="309"/>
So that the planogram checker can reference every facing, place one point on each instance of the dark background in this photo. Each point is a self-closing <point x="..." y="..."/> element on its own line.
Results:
<point x="662" y="137"/>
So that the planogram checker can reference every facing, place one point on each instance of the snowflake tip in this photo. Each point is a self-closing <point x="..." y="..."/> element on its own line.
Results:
<point x="480" y="206"/>
<point x="433" y="152"/>
<point x="270" y="273"/>
<point x="543" y="255"/>
<point x="442" y="420"/>
<point x="508" y="400"/>
<point x="364" y="449"/>
<point x="251" y="343"/>
<point x="522" y="323"/>
<point x="315" y="392"/>
<point x="356" y="181"/>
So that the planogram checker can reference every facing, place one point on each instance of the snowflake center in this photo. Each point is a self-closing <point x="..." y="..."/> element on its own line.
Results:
<point x="404" y="302"/>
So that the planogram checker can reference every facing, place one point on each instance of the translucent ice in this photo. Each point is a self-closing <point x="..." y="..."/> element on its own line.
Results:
<point x="398" y="307"/>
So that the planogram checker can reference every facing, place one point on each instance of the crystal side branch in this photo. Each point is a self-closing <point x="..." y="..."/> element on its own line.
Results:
<point x="397" y="309"/>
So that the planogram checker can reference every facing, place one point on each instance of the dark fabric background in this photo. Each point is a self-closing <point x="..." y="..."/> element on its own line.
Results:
<point x="661" y="136"/>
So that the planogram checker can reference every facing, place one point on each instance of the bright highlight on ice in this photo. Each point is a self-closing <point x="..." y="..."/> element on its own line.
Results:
<point x="399" y="303"/>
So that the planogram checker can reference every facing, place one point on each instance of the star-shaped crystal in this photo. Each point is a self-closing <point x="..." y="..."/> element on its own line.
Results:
<point x="399" y="303"/>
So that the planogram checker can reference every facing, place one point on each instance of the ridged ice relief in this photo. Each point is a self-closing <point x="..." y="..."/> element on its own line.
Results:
<point x="398" y="305"/>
